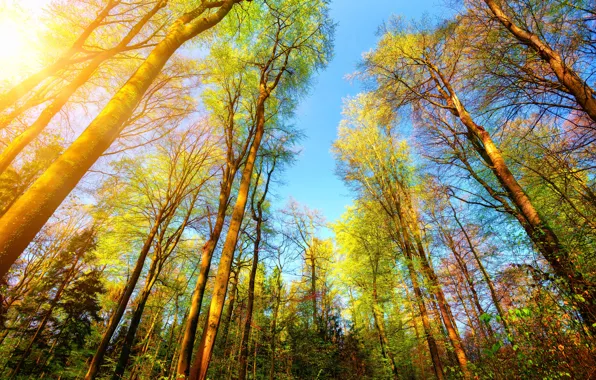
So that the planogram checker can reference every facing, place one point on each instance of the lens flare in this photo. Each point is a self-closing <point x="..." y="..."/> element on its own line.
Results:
<point x="17" y="54"/>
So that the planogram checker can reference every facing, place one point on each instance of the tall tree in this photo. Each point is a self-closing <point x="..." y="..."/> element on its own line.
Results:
<point x="26" y="217"/>
<point x="420" y="69"/>
<point x="293" y="41"/>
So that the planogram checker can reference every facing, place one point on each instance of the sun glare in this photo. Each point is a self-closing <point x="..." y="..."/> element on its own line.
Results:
<point x="17" y="54"/>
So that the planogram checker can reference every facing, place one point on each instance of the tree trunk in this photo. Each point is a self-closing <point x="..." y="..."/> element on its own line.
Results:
<point x="537" y="229"/>
<point x="379" y="325"/>
<point x="274" y="328"/>
<point x="486" y="277"/>
<point x="581" y="91"/>
<point x="203" y="357"/>
<point x="12" y="150"/>
<point x="122" y="302"/>
<point x="432" y="344"/>
<point x="136" y="319"/>
<point x="230" y="310"/>
<point x="192" y="321"/>
<point x="27" y="216"/>
<point x="242" y="360"/>
<point x="446" y="314"/>
<point x="17" y="92"/>
<point x="313" y="287"/>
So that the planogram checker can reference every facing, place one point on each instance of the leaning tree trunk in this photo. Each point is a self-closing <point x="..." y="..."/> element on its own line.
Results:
<point x="403" y="241"/>
<point x="487" y="279"/>
<point x="573" y="83"/>
<point x="122" y="303"/>
<point x="533" y="223"/>
<point x="12" y="150"/>
<point x="27" y="216"/>
<point x="192" y="321"/>
<point x="135" y="321"/>
<point x="13" y="95"/>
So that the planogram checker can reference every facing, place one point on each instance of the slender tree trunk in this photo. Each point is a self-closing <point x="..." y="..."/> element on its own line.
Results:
<point x="409" y="222"/>
<point x="379" y="325"/>
<point x="135" y="321"/>
<point x="313" y="287"/>
<point x="162" y="252"/>
<point x="416" y="331"/>
<point x="205" y="349"/>
<point x="274" y="327"/>
<point x="581" y="91"/>
<point x="27" y="216"/>
<point x="173" y="362"/>
<point x="254" y="362"/>
<point x="463" y="267"/>
<point x="485" y="275"/>
<point x="432" y="344"/>
<point x="12" y="150"/>
<point x="134" y="373"/>
<point x="192" y="321"/>
<point x="170" y="337"/>
<point x="242" y="360"/>
<point x="446" y="314"/>
<point x="537" y="229"/>
<point x="403" y="240"/>
<point x="230" y="310"/>
<point x="122" y="302"/>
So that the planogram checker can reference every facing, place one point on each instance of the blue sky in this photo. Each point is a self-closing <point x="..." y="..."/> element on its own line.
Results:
<point x="312" y="181"/>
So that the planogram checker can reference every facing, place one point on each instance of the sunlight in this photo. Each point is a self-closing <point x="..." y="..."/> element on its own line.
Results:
<point x="17" y="52"/>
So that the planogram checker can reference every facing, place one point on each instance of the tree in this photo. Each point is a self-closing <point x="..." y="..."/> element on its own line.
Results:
<point x="298" y="46"/>
<point x="182" y="177"/>
<point x="413" y="68"/>
<point x="34" y="208"/>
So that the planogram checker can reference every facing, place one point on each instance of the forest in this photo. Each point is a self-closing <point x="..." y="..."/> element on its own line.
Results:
<point x="144" y="145"/>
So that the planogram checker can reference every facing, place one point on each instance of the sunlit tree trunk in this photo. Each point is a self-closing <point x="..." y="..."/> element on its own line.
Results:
<point x="12" y="150"/>
<point x="581" y="91"/>
<point x="205" y="349"/>
<point x="27" y="216"/>
<point x="192" y="321"/>
<point x="537" y="229"/>
<point x="13" y="95"/>
<point x="257" y="215"/>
